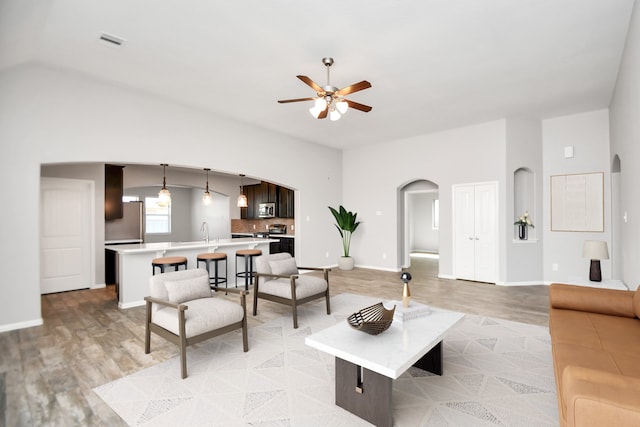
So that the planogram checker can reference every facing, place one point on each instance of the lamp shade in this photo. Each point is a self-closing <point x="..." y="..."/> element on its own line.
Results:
<point x="242" y="201"/>
<point x="595" y="249"/>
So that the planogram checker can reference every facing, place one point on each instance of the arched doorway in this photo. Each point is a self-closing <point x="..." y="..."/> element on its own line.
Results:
<point x="419" y="215"/>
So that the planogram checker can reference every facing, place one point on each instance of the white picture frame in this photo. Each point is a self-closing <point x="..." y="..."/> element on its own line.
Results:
<point x="577" y="202"/>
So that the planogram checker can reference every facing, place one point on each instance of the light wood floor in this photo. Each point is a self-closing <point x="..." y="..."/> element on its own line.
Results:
<point x="47" y="373"/>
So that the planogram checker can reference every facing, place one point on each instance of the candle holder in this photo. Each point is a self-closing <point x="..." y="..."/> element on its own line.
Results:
<point x="406" y="292"/>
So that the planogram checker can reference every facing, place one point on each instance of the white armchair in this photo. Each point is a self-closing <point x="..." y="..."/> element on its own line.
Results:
<point x="277" y="280"/>
<point x="183" y="310"/>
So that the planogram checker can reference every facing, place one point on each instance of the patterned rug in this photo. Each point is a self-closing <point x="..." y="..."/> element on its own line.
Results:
<point x="496" y="373"/>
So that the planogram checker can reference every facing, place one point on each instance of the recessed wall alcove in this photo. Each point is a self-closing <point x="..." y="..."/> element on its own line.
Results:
<point x="524" y="198"/>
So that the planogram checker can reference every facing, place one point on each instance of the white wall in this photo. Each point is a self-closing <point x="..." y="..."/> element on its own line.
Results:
<point x="588" y="133"/>
<point x="423" y="237"/>
<point x="625" y="142"/>
<point x="524" y="150"/>
<point x="51" y="116"/>
<point x="373" y="176"/>
<point x="216" y="215"/>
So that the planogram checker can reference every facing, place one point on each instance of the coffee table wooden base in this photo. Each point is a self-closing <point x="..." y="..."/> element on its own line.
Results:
<point x="367" y="394"/>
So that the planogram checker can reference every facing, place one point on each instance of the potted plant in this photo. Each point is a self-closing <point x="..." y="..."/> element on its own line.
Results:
<point x="346" y="224"/>
<point x="523" y="222"/>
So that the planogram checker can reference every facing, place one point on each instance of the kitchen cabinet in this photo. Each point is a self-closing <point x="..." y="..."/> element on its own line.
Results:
<point x="113" y="191"/>
<point x="285" y="203"/>
<point x="251" y="211"/>
<point x="266" y="192"/>
<point x="286" y="244"/>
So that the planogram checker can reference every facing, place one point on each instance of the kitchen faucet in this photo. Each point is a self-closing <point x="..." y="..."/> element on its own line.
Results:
<point x="205" y="231"/>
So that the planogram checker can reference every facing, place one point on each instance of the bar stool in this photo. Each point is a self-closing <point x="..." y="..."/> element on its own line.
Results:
<point x="248" y="255"/>
<point x="214" y="257"/>
<point x="170" y="261"/>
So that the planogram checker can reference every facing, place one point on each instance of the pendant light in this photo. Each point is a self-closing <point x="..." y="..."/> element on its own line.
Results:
<point x="164" y="195"/>
<point x="206" y="196"/>
<point x="242" y="199"/>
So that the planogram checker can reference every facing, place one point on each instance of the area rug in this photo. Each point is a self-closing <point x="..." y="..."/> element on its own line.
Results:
<point x="496" y="372"/>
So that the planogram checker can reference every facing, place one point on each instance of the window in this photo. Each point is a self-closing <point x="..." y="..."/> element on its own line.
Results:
<point x="435" y="214"/>
<point x="126" y="199"/>
<point x="157" y="218"/>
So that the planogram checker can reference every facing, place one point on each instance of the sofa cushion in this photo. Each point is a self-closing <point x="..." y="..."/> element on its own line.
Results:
<point x="202" y="315"/>
<point x="184" y="290"/>
<point x="284" y="267"/>
<point x="306" y="285"/>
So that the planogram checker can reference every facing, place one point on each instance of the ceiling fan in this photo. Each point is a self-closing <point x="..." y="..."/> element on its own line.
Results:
<point x="330" y="100"/>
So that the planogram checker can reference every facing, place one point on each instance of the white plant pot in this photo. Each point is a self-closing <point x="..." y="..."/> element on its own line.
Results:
<point x="345" y="263"/>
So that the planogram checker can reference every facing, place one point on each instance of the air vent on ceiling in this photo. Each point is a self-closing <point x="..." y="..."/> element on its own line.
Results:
<point x="111" y="40"/>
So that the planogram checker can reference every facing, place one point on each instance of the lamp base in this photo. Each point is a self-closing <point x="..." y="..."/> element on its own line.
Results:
<point x="595" y="274"/>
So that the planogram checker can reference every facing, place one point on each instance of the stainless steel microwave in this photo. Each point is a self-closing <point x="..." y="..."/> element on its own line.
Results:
<point x="267" y="210"/>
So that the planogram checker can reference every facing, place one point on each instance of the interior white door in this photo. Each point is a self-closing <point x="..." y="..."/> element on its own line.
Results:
<point x="475" y="216"/>
<point x="66" y="234"/>
<point x="464" y="220"/>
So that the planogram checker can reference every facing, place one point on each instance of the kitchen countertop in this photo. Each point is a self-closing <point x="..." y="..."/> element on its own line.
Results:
<point x="164" y="246"/>
<point x="289" y="236"/>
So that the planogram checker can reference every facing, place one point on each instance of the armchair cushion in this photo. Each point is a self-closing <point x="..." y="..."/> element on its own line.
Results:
<point x="180" y="291"/>
<point x="203" y="315"/>
<point x="305" y="286"/>
<point x="285" y="266"/>
<point x="263" y="264"/>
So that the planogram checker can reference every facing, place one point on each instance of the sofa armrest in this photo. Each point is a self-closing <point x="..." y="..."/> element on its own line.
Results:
<point x="593" y="300"/>
<point x="598" y="398"/>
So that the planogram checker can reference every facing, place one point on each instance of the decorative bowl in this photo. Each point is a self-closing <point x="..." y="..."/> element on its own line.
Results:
<point x="372" y="320"/>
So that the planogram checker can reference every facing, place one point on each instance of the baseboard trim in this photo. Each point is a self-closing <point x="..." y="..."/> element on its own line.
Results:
<point x="533" y="283"/>
<point x="446" y="276"/>
<point x="99" y="286"/>
<point x="21" y="325"/>
<point x="130" y="304"/>
<point x="393" y="270"/>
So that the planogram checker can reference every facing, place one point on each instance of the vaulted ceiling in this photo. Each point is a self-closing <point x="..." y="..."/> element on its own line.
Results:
<point x="433" y="64"/>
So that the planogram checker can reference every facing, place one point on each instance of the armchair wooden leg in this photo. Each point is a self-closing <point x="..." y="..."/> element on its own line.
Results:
<point x="255" y="294"/>
<point x="183" y="359"/>
<point x="294" y="308"/>
<point x="183" y="343"/>
<point x="147" y="332"/>
<point x="328" y="303"/>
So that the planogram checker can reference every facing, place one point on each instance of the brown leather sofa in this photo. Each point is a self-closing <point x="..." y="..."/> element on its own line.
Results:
<point x="595" y="337"/>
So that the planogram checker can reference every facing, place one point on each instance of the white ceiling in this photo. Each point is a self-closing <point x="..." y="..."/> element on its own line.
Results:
<point x="433" y="64"/>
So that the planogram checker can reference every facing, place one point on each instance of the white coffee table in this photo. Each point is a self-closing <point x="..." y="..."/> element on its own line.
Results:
<point x="366" y="365"/>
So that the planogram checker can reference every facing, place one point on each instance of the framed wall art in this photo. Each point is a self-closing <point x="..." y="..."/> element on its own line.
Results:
<point x="577" y="202"/>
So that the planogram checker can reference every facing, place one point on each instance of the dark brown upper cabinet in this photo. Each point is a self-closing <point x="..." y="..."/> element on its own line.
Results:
<point x="113" y="191"/>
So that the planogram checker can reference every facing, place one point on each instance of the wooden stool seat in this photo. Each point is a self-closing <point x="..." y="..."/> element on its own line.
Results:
<point x="248" y="273"/>
<point x="215" y="258"/>
<point x="170" y="261"/>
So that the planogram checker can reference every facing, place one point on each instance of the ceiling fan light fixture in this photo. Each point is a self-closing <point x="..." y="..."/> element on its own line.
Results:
<point x="315" y="112"/>
<point x="342" y="106"/>
<point x="329" y="99"/>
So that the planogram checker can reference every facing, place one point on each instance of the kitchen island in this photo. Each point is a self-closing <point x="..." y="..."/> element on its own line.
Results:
<point x="133" y="262"/>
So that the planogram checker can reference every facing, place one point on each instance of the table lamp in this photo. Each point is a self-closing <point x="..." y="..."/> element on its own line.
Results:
<point x="595" y="250"/>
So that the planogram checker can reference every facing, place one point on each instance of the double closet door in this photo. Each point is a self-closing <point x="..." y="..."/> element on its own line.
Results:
<point x="476" y="231"/>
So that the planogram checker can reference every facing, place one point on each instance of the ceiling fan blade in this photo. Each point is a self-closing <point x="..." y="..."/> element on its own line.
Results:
<point x="323" y="113"/>
<point x="353" y="88"/>
<point x="313" y="85"/>
<point x="358" y="106"/>
<point x="284" y="101"/>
